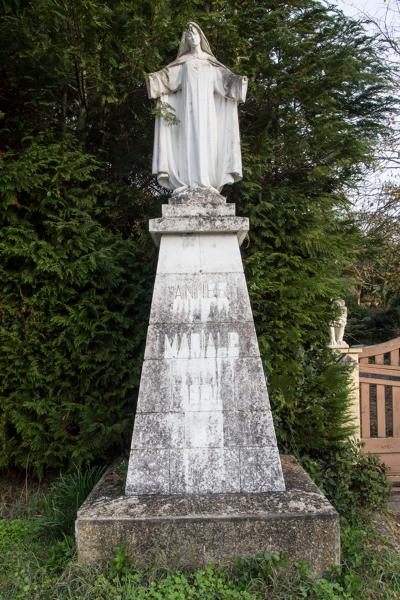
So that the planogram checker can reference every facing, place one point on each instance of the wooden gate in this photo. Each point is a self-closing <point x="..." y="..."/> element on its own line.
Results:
<point x="380" y="403"/>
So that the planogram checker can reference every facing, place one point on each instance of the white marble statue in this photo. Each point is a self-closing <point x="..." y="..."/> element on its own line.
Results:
<point x="338" y="326"/>
<point x="200" y="145"/>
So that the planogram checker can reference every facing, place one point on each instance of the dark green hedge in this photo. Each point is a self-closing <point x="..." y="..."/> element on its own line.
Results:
<point x="73" y="305"/>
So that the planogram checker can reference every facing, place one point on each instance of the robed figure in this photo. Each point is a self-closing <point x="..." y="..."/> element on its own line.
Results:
<point x="196" y="141"/>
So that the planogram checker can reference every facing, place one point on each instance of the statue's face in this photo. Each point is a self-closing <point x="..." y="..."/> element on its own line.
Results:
<point x="193" y="37"/>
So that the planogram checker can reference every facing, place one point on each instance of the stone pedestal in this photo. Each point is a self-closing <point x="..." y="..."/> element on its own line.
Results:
<point x="203" y="423"/>
<point x="193" y="530"/>
<point x="205" y="482"/>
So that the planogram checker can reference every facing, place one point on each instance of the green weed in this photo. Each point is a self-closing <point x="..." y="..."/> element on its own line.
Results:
<point x="65" y="496"/>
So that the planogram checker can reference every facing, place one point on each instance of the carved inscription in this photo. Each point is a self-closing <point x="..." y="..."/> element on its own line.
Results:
<point x="200" y="301"/>
<point x="196" y="290"/>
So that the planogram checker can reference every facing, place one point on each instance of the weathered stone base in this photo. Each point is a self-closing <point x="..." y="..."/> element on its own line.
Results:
<point x="189" y="531"/>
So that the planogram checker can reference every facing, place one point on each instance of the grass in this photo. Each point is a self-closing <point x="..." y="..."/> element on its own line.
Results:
<point x="37" y="561"/>
<point x="20" y="497"/>
<point x="65" y="495"/>
<point x="33" y="568"/>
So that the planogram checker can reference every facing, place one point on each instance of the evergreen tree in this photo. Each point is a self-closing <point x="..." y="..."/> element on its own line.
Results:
<point x="77" y="264"/>
<point x="71" y="312"/>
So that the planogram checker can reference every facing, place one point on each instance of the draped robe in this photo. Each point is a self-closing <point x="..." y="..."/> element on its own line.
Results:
<point x="201" y="146"/>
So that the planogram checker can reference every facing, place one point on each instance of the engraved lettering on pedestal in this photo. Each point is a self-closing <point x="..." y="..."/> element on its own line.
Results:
<point x="200" y="300"/>
<point x="201" y="345"/>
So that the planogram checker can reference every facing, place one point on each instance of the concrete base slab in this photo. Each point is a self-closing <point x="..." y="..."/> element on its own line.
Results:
<point x="190" y="531"/>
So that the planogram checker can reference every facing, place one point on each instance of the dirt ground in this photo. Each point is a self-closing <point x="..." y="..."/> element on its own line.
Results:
<point x="389" y="523"/>
<point x="20" y="496"/>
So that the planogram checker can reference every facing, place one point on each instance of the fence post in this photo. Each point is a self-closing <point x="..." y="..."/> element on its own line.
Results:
<point x="350" y="356"/>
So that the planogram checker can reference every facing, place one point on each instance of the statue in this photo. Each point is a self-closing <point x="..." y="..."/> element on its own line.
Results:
<point x="196" y="141"/>
<point x="338" y="326"/>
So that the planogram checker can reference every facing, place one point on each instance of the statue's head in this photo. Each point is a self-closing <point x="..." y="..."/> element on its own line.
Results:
<point x="192" y="37"/>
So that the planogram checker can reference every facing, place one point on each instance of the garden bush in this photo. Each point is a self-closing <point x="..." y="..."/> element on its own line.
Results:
<point x="14" y="532"/>
<point x="354" y="481"/>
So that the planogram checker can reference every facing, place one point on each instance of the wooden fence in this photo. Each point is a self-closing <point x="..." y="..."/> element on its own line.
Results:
<point x="380" y="402"/>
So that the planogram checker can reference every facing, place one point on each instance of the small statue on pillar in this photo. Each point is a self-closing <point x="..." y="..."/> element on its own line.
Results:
<point x="338" y="326"/>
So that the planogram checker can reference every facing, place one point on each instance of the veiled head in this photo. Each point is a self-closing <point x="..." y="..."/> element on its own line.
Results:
<point x="193" y="36"/>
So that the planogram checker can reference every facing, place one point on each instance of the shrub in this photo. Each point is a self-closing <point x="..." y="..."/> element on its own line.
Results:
<point x="311" y="403"/>
<point x="355" y="482"/>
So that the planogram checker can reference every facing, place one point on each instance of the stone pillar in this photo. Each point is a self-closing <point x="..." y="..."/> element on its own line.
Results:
<point x="350" y="356"/>
<point x="203" y="423"/>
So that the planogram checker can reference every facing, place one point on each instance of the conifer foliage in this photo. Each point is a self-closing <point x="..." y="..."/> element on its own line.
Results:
<point x="77" y="265"/>
<point x="71" y="304"/>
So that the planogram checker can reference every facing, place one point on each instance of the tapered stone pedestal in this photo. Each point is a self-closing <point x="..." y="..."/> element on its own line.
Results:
<point x="203" y="423"/>
<point x="205" y="480"/>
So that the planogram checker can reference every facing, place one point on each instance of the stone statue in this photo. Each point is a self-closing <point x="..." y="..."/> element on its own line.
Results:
<point x="196" y="141"/>
<point x="338" y="326"/>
